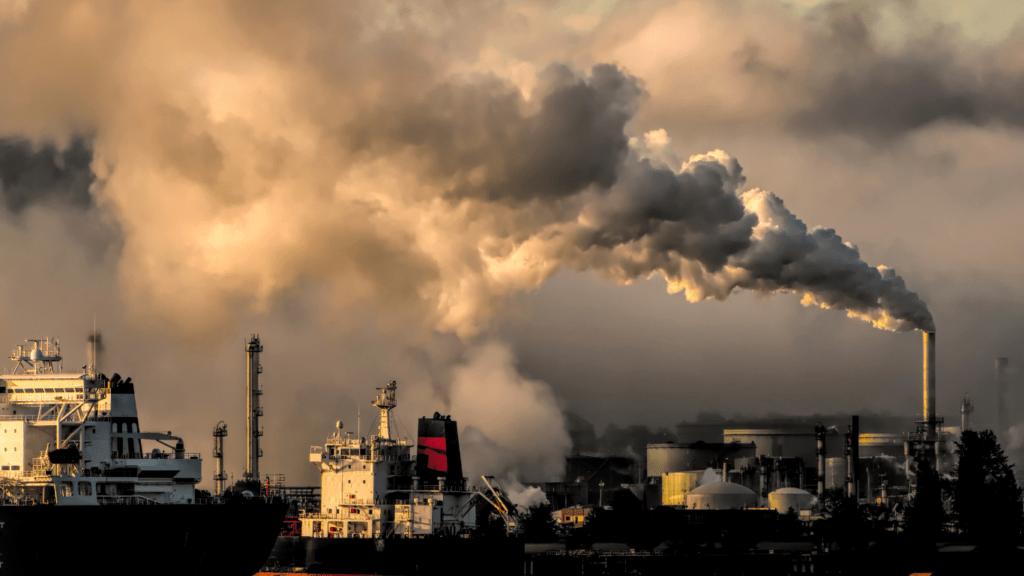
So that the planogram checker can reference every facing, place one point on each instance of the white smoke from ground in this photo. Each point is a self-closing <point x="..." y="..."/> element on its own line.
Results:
<point x="509" y="425"/>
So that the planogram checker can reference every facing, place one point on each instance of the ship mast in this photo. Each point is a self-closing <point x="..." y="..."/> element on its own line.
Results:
<point x="253" y="410"/>
<point x="386" y="402"/>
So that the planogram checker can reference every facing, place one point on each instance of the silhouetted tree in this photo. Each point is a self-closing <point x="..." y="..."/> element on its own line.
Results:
<point x="986" y="497"/>
<point x="925" y="516"/>
<point x="539" y="525"/>
<point x="843" y="522"/>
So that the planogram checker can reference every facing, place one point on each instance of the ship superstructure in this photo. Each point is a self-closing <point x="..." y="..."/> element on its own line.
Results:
<point x="74" y="439"/>
<point x="376" y="488"/>
<point x="74" y="462"/>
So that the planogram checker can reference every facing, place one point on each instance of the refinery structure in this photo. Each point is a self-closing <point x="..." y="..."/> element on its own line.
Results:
<point x="776" y="468"/>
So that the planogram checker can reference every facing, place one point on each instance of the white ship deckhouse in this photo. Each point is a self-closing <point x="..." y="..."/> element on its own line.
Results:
<point x="378" y="488"/>
<point x="74" y="439"/>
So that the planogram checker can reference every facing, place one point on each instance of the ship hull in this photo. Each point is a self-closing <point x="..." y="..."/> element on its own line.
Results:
<point x="395" y="556"/>
<point x="157" y="540"/>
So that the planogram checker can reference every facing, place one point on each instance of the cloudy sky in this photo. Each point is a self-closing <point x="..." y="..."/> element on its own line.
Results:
<point x="633" y="211"/>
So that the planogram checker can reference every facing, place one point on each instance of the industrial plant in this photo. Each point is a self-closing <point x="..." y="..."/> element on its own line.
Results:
<point x="772" y="497"/>
<point x="839" y="495"/>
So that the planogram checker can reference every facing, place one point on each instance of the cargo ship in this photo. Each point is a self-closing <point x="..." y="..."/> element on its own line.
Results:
<point x="389" y="511"/>
<point x="81" y="495"/>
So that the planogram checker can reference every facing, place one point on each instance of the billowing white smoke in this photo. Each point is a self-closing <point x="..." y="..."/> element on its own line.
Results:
<point x="509" y="425"/>
<point x="246" y="150"/>
<point x="250" y="150"/>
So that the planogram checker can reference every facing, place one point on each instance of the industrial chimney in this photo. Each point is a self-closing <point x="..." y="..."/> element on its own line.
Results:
<point x="931" y="425"/>
<point x="253" y="410"/>
<point x="1002" y="417"/>
<point x="219" y="432"/>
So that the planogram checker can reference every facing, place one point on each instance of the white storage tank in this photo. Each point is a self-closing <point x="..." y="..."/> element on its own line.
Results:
<point x="785" y="498"/>
<point x="720" y="496"/>
<point x="835" y="472"/>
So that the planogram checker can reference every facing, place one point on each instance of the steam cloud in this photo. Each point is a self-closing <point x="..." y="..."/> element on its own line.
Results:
<point x="248" y="150"/>
<point x="254" y="168"/>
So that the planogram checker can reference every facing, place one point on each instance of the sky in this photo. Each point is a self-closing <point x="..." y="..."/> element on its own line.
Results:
<point x="631" y="211"/>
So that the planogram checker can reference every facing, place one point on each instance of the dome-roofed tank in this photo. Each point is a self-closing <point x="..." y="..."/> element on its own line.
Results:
<point x="720" y="496"/>
<point x="785" y="498"/>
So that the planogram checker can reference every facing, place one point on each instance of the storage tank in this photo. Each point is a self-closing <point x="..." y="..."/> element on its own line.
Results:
<point x="785" y="498"/>
<point x="881" y="445"/>
<point x="676" y="485"/>
<point x="670" y="457"/>
<point x="720" y="496"/>
<point x="794" y="442"/>
<point x="835" y="472"/>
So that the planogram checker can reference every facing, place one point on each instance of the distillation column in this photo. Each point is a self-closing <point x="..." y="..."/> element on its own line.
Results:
<point x="219" y="432"/>
<point x="819" y="435"/>
<point x="253" y="410"/>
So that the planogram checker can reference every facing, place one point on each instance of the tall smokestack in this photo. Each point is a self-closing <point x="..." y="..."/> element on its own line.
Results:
<point x="929" y="385"/>
<point x="1002" y="416"/>
<point x="253" y="410"/>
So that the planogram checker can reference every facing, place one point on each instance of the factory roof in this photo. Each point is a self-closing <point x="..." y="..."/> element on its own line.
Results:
<point x="791" y="490"/>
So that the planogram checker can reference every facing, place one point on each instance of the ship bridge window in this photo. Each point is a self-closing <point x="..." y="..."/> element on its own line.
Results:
<point x="5" y="467"/>
<point x="85" y="489"/>
<point x="3" y="389"/>
<point x="37" y="390"/>
<point x="16" y="467"/>
<point x="66" y="489"/>
<point x="49" y="390"/>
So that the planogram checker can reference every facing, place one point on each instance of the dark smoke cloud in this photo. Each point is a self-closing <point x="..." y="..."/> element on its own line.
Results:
<point x="575" y="140"/>
<point x="859" y="87"/>
<point x="31" y="174"/>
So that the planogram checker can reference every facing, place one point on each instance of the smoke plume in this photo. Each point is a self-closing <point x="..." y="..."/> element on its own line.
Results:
<point x="251" y="154"/>
<point x="241" y="167"/>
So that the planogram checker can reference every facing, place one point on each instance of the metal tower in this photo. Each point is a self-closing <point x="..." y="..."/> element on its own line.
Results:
<point x="253" y="410"/>
<point x="219" y="432"/>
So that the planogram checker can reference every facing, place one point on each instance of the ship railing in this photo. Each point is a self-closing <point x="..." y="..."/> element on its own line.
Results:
<point x="162" y="456"/>
<point x="425" y="488"/>
<point x="14" y="418"/>
<point x="126" y="500"/>
<point x="345" y="514"/>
